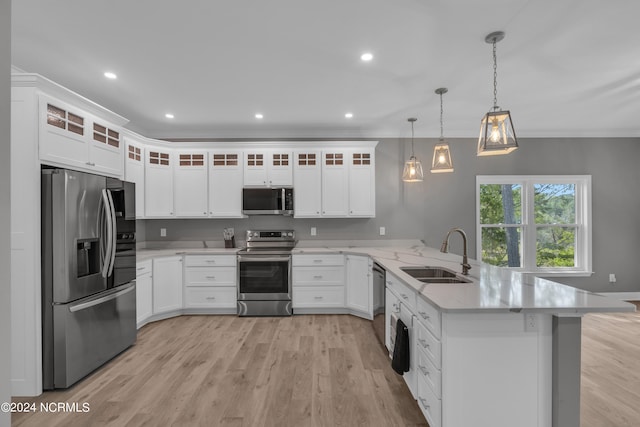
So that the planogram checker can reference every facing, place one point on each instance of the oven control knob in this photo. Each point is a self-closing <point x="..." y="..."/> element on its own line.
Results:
<point x="290" y="234"/>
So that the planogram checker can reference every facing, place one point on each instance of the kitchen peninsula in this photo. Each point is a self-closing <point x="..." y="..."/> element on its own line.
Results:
<point x="501" y="350"/>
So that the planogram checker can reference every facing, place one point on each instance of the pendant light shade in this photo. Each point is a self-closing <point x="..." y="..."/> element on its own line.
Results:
<point x="412" y="168"/>
<point x="497" y="135"/>
<point x="441" y="153"/>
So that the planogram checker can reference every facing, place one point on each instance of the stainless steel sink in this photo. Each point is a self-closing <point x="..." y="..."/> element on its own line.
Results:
<point x="429" y="274"/>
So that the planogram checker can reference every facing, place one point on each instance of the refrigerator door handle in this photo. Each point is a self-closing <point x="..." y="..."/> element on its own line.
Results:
<point x="101" y="300"/>
<point x="109" y="234"/>
<point x="114" y="231"/>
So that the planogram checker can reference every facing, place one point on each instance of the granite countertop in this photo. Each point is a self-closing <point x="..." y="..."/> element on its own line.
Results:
<point x="492" y="289"/>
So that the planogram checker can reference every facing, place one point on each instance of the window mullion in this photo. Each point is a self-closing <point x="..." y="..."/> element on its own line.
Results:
<point x="530" y="227"/>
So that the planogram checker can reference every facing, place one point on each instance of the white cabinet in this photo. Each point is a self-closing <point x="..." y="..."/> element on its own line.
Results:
<point x="167" y="284"/>
<point x="268" y="168"/>
<point x="359" y="286"/>
<point x="318" y="281"/>
<point x="307" y="183"/>
<point x="134" y="171"/>
<point x="158" y="177"/>
<point x="210" y="282"/>
<point x="335" y="184"/>
<point x="225" y="183"/>
<point x="190" y="184"/>
<point x="144" y="292"/>
<point x="71" y="137"/>
<point x="362" y="183"/>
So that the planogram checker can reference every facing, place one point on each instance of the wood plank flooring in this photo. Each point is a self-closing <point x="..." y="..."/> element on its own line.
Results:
<point x="610" y="391"/>
<point x="324" y="370"/>
<point x="327" y="370"/>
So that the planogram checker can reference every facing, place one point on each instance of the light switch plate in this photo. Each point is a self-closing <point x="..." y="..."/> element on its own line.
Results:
<point x="163" y="232"/>
<point x="383" y="231"/>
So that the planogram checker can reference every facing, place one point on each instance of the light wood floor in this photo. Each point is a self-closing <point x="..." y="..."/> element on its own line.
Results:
<point x="303" y="371"/>
<point x="611" y="370"/>
<point x="324" y="370"/>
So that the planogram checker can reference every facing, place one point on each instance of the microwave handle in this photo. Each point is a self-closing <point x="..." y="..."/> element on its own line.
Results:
<point x="282" y="199"/>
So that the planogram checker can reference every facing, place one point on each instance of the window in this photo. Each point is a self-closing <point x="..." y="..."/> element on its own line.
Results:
<point x="539" y="224"/>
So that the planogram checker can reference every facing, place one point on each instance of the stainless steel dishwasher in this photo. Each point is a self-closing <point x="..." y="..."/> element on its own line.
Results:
<point x="379" y="276"/>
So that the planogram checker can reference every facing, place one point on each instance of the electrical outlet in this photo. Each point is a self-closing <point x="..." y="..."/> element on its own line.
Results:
<point x="530" y="322"/>
<point x="612" y="278"/>
<point x="383" y="231"/>
<point x="163" y="232"/>
<point x="314" y="232"/>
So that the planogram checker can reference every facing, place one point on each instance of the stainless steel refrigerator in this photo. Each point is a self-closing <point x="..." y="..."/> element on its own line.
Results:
<point x="88" y="273"/>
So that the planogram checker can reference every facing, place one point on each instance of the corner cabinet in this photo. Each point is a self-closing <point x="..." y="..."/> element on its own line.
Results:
<point x="71" y="137"/>
<point x="144" y="292"/>
<point x="134" y="171"/>
<point x="167" y="285"/>
<point x="359" y="285"/>
<point x="158" y="177"/>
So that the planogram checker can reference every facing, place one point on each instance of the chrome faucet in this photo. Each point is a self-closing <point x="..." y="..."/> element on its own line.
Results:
<point x="445" y="248"/>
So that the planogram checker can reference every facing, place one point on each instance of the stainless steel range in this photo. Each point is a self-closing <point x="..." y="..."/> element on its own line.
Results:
<point x="264" y="273"/>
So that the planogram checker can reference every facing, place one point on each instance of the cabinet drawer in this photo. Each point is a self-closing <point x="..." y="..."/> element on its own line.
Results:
<point x="210" y="276"/>
<point x="210" y="260"/>
<point x="318" y="297"/>
<point x="428" y="343"/>
<point x="429" y="316"/>
<point x="429" y="372"/>
<point x="143" y="267"/>
<point x="318" y="259"/>
<point x="210" y="297"/>
<point x="429" y="404"/>
<point x="407" y="294"/>
<point x="313" y="276"/>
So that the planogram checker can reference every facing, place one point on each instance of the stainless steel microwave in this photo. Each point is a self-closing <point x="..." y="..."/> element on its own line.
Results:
<point x="267" y="201"/>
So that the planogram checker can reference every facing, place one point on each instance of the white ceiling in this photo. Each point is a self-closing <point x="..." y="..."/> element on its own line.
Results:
<point x="565" y="67"/>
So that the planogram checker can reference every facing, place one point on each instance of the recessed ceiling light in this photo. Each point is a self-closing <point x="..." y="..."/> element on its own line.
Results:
<point x="259" y="116"/>
<point x="348" y="115"/>
<point x="169" y="116"/>
<point x="367" y="56"/>
<point x="110" y="75"/>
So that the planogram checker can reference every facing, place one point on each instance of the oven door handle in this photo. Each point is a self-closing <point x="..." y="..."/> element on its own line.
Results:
<point x="250" y="258"/>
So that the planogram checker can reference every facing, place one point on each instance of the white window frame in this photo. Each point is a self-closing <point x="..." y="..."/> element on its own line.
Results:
<point x="583" y="251"/>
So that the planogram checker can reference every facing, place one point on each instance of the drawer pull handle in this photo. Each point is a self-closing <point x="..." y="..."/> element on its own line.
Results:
<point x="423" y="314"/>
<point x="388" y="282"/>
<point x="424" y="402"/>
<point x="210" y="277"/>
<point x="404" y="296"/>
<point x="211" y="298"/>
<point x="424" y="370"/>
<point x="212" y="261"/>
<point x="423" y="343"/>
<point x="140" y="268"/>
<point x="317" y="261"/>
<point x="318" y="297"/>
<point x="317" y="277"/>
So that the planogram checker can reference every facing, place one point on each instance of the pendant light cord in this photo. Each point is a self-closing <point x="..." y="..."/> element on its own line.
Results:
<point x="441" y="125"/>
<point x="412" y="153"/>
<point x="495" y="77"/>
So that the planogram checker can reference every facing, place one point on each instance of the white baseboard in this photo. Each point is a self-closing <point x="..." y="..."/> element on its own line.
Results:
<point x="624" y="296"/>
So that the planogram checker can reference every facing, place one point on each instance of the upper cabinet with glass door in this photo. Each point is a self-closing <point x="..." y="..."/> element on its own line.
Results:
<point x="268" y="168"/>
<point x="71" y="137"/>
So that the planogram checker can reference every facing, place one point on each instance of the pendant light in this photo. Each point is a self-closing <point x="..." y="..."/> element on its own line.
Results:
<point x="496" y="128"/>
<point x="441" y="153"/>
<point x="412" y="168"/>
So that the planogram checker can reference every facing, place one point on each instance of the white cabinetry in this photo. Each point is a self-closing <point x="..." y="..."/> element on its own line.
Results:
<point x="401" y="299"/>
<point x="71" y="137"/>
<point x="225" y="183"/>
<point x="318" y="281"/>
<point x="335" y="184"/>
<point x="307" y="183"/>
<point x="190" y="184"/>
<point x="210" y="282"/>
<point x="158" y="177"/>
<point x="144" y="292"/>
<point x="268" y="168"/>
<point x="134" y="171"/>
<point x="359" y="286"/>
<point x="167" y="284"/>
<point x="362" y="183"/>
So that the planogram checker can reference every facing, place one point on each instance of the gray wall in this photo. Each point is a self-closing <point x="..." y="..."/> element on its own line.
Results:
<point x="5" y="208"/>
<point x="427" y="210"/>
